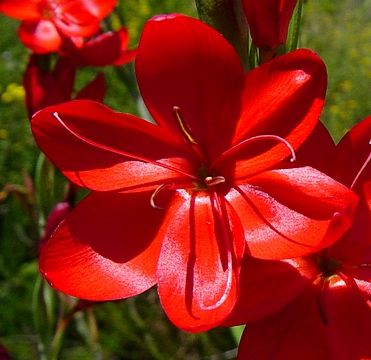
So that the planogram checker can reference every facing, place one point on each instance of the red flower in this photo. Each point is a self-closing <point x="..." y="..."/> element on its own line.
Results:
<point x="268" y="21"/>
<point x="46" y="22"/>
<point x="108" y="48"/>
<point x="331" y="319"/>
<point x="45" y="88"/>
<point x="174" y="204"/>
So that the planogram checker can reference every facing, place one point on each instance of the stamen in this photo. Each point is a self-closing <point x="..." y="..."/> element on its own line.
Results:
<point x="183" y="126"/>
<point x="215" y="180"/>
<point x="117" y="151"/>
<point x="362" y="168"/>
<point x="231" y="151"/>
<point x="154" y="194"/>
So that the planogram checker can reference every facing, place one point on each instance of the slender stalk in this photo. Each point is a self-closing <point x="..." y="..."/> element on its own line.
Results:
<point x="295" y="26"/>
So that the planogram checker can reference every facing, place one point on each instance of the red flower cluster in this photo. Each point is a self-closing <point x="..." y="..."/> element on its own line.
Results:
<point x="46" y="22"/>
<point x="71" y="28"/>
<point x="181" y="203"/>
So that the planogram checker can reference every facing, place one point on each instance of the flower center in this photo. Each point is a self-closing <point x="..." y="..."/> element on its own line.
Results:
<point x="48" y="9"/>
<point x="328" y="266"/>
<point x="207" y="179"/>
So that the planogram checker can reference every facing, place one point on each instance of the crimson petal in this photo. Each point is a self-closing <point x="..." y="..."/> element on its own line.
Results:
<point x="41" y="36"/>
<point x="199" y="262"/>
<point x="105" y="150"/>
<point x="105" y="49"/>
<point x="331" y="324"/>
<point x="106" y="248"/>
<point x="292" y="212"/>
<point x="284" y="98"/>
<point x="296" y="332"/>
<point x="21" y="9"/>
<point x="268" y="20"/>
<point x="267" y="286"/>
<point x="354" y="151"/>
<point x="183" y="62"/>
<point x="349" y="321"/>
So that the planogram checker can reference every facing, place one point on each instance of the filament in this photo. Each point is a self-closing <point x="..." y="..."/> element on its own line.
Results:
<point x="183" y="126"/>
<point x="154" y="194"/>
<point x="188" y="136"/>
<point x="231" y="151"/>
<point x="117" y="151"/>
<point x="362" y="168"/>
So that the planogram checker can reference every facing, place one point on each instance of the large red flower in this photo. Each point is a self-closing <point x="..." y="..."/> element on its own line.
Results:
<point x="331" y="319"/>
<point x="46" y="22"/>
<point x="178" y="203"/>
<point x="268" y="21"/>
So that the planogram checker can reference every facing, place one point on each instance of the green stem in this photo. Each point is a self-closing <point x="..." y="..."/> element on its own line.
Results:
<point x="126" y="75"/>
<point x="57" y="341"/>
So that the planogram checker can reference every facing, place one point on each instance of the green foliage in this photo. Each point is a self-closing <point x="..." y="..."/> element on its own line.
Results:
<point x="340" y="32"/>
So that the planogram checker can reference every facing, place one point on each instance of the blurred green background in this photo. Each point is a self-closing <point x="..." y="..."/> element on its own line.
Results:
<point x="338" y="30"/>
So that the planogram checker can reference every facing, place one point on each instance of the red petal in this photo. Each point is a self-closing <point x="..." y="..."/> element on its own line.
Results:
<point x="366" y="193"/>
<point x="21" y="9"/>
<point x="349" y="322"/>
<point x="296" y="332"/>
<point x="199" y="262"/>
<point x="40" y="36"/>
<point x="318" y="150"/>
<point x="268" y="20"/>
<point x="124" y="151"/>
<point x="55" y="217"/>
<point x="352" y="153"/>
<point x="183" y="62"/>
<point x="283" y="97"/>
<point x="331" y="324"/>
<point x="354" y="248"/>
<point x="293" y="212"/>
<point x="267" y="286"/>
<point x="106" y="249"/>
<point x="98" y="8"/>
<point x="74" y="18"/>
<point x="105" y="49"/>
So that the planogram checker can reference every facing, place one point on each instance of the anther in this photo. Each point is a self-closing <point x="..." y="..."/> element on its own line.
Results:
<point x="214" y="180"/>
<point x="183" y="126"/>
<point x="362" y="168"/>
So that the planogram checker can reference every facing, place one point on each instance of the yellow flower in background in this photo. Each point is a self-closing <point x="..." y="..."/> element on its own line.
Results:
<point x="13" y="93"/>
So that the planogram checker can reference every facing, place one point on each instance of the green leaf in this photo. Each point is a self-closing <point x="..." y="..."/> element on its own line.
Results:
<point x="294" y="28"/>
